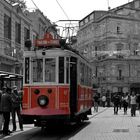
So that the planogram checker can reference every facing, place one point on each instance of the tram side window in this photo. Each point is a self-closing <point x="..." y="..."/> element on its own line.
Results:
<point x="50" y="67"/>
<point x="38" y="70"/>
<point x="90" y="77"/>
<point x="86" y="75"/>
<point x="82" y="73"/>
<point x="61" y="70"/>
<point x="67" y="70"/>
<point x="27" y="70"/>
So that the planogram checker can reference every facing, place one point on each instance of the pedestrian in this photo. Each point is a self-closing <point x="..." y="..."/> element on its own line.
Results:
<point x="120" y="103"/>
<point x="20" y="92"/>
<point x="125" y="103"/>
<point x="6" y="104"/>
<point x="16" y="108"/>
<point x="133" y="103"/>
<point x="138" y="101"/>
<point x="116" y="101"/>
<point x="103" y="100"/>
<point x="1" y="115"/>
<point x="96" y="101"/>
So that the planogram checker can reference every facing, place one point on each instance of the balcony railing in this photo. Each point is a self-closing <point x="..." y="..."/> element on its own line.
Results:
<point x="7" y="50"/>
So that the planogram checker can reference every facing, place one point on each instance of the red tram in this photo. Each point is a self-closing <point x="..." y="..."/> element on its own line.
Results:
<point x="57" y="84"/>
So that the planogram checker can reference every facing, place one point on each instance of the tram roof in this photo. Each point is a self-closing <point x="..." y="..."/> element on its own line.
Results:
<point x="10" y="76"/>
<point x="67" y="50"/>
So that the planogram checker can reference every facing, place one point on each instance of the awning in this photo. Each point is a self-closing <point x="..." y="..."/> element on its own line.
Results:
<point x="10" y="76"/>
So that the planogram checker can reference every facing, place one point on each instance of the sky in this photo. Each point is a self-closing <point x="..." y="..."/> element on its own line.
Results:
<point x="57" y="10"/>
<point x="74" y="9"/>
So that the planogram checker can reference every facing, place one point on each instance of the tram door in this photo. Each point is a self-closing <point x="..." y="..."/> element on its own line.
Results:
<point x="73" y="85"/>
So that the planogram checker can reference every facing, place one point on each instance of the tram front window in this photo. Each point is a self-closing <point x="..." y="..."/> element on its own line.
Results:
<point x="50" y="66"/>
<point x="38" y="70"/>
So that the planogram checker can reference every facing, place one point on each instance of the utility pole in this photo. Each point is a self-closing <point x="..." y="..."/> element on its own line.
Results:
<point x="69" y="28"/>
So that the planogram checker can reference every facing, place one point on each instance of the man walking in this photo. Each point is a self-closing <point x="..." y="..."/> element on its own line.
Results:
<point x="16" y="106"/>
<point x="1" y="115"/>
<point x="116" y="100"/>
<point x="6" y="104"/>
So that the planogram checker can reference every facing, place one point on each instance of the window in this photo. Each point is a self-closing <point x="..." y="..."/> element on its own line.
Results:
<point x="119" y="46"/>
<point x="17" y="32"/>
<point x="27" y="70"/>
<point x="138" y="73"/>
<point x="37" y="70"/>
<point x="120" y="89"/>
<point x="7" y="27"/>
<point x="50" y="67"/>
<point x="86" y="75"/>
<point x="118" y="30"/>
<point x="90" y="77"/>
<point x="61" y="70"/>
<point x="82" y="73"/>
<point x="67" y="70"/>
<point x="120" y="73"/>
<point x="26" y="33"/>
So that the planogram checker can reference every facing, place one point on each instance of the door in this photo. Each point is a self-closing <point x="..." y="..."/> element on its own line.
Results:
<point x="73" y="85"/>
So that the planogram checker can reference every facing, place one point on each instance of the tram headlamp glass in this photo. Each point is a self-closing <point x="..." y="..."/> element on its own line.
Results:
<point x="43" y="100"/>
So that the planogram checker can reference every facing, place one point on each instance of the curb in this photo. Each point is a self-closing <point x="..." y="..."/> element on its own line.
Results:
<point x="90" y="117"/>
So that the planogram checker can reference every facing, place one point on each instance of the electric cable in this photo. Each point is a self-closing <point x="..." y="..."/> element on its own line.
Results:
<point x="62" y="10"/>
<point x="34" y="4"/>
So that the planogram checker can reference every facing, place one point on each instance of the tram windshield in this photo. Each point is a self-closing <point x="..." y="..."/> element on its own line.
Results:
<point x="50" y="67"/>
<point x="37" y="70"/>
<point x="51" y="70"/>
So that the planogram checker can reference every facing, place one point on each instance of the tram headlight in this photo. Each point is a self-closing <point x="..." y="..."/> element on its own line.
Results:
<point x="36" y="91"/>
<point x="43" y="100"/>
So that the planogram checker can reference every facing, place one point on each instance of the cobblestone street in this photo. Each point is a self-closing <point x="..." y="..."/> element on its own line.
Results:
<point x="107" y="126"/>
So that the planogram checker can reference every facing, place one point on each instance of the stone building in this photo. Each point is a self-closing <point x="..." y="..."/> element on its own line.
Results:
<point x="40" y="25"/>
<point x="17" y="26"/>
<point x="13" y="27"/>
<point x="111" y="41"/>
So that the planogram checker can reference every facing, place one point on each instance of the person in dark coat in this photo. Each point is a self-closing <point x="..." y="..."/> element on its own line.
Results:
<point x="16" y="106"/>
<point x="1" y="115"/>
<point x="96" y="101"/>
<point x="138" y="101"/>
<point x="6" y="104"/>
<point x="116" y="100"/>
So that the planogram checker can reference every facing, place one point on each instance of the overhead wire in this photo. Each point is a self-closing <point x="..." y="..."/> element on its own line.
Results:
<point x="66" y="28"/>
<point x="34" y="4"/>
<point x="62" y="9"/>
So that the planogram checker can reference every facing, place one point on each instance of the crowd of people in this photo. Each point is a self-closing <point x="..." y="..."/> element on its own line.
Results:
<point x="10" y="106"/>
<point x="118" y="101"/>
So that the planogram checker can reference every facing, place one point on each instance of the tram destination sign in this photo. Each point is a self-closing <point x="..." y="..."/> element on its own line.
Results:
<point x="47" y="41"/>
<point x="44" y="42"/>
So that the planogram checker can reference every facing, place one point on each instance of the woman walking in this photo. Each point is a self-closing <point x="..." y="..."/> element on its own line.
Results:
<point x="133" y="104"/>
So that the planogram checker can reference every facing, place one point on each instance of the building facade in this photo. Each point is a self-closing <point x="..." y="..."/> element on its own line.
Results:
<point x="111" y="41"/>
<point x="13" y="24"/>
<point x="16" y="27"/>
